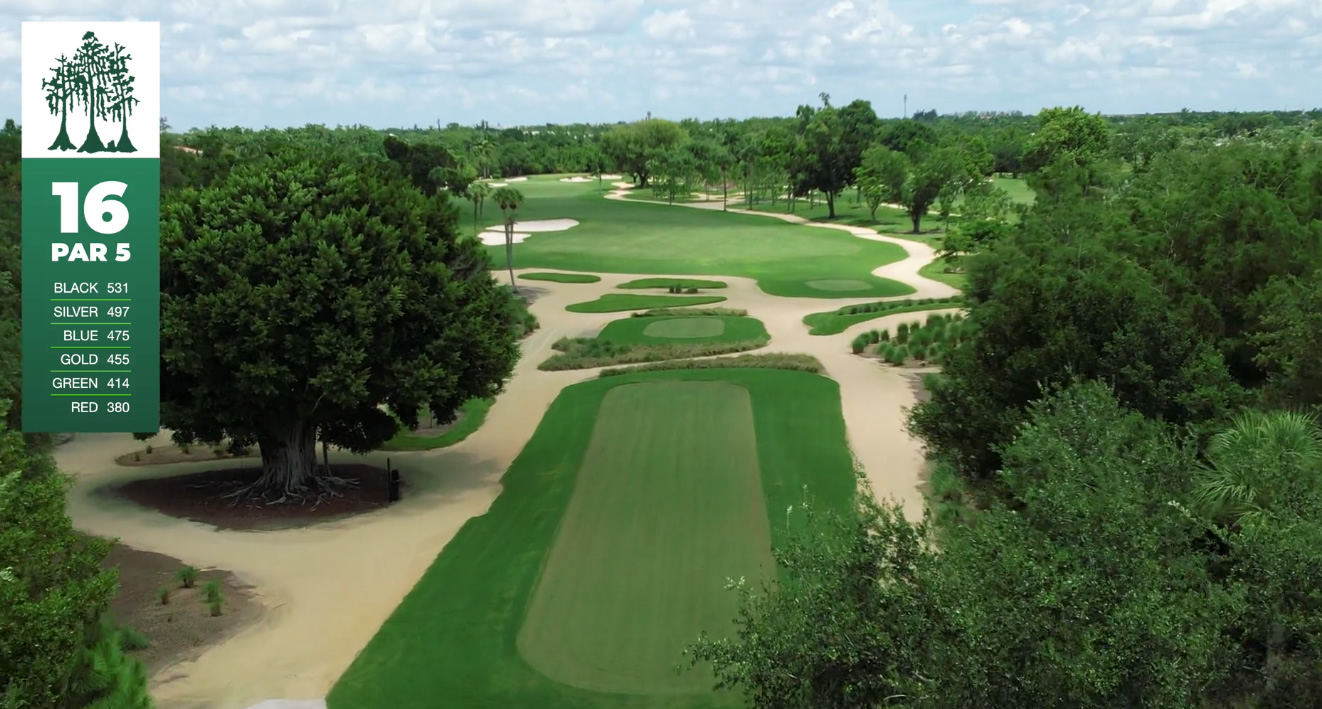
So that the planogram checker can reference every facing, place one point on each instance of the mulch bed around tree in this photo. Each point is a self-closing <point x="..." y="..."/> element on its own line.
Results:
<point x="201" y="497"/>
<point x="183" y="628"/>
<point x="170" y="453"/>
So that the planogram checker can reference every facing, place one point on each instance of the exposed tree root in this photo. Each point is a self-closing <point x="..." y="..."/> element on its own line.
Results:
<point x="310" y="493"/>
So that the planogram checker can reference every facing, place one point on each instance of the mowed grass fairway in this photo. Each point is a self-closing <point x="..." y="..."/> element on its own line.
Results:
<point x="609" y="548"/>
<point x="667" y="505"/>
<point x="679" y="330"/>
<point x="622" y="237"/>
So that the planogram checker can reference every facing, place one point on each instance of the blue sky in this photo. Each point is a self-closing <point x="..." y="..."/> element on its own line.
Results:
<point x="400" y="62"/>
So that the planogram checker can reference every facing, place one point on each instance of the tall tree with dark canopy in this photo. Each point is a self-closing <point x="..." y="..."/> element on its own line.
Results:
<point x="92" y="82"/>
<point x="60" y="98"/>
<point x="304" y="292"/>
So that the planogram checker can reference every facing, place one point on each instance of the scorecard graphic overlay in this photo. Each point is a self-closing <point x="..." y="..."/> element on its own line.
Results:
<point x="91" y="202"/>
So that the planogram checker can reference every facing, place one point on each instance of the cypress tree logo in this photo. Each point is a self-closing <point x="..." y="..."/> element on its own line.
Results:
<point x="96" y="82"/>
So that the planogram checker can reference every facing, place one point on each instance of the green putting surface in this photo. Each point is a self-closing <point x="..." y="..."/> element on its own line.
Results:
<point x="660" y="330"/>
<point x="668" y="505"/>
<point x="685" y="328"/>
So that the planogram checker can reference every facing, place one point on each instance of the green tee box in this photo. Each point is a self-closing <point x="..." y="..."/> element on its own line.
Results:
<point x="91" y="227"/>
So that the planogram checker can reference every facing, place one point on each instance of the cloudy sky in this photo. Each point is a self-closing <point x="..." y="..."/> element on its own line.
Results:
<point x="403" y="62"/>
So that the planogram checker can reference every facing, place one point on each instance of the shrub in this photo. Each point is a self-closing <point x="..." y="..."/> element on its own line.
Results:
<point x="898" y="356"/>
<point x="130" y="639"/>
<point x="588" y="352"/>
<point x="884" y="336"/>
<point x="688" y="312"/>
<point x="918" y="352"/>
<point x="874" y="336"/>
<point x="791" y="362"/>
<point x="215" y="607"/>
<point x="902" y="333"/>
<point x="137" y="456"/>
<point x="148" y="449"/>
<point x="185" y="449"/>
<point x="163" y="595"/>
<point x="186" y="576"/>
<point x="690" y="291"/>
<point x="858" y="343"/>
<point x="211" y="592"/>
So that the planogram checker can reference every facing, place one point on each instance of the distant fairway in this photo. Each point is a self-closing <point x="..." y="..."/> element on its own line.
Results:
<point x="608" y="550"/>
<point x="622" y="237"/>
<point x="667" y="506"/>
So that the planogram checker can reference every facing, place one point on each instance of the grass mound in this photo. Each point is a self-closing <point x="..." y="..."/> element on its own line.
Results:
<point x="471" y="417"/>
<point x="789" y="362"/>
<point x="664" y="327"/>
<point x="683" y="283"/>
<point x="684" y="328"/>
<point x="618" y="302"/>
<point x="924" y="342"/>
<point x="561" y="277"/>
<point x="837" y="321"/>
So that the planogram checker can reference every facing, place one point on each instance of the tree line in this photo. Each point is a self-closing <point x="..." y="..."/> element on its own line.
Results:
<point x="1125" y="501"/>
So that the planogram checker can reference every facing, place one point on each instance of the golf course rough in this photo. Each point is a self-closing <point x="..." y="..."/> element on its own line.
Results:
<point x="610" y="546"/>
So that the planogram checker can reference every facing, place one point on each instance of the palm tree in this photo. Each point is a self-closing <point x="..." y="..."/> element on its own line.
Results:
<point x="477" y="194"/>
<point x="509" y="200"/>
<point x="1264" y="463"/>
<point x="483" y="152"/>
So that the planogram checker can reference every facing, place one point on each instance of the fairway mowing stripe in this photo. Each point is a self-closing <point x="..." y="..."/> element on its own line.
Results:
<point x="668" y="504"/>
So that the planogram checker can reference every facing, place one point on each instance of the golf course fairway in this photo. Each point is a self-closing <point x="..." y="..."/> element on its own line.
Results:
<point x="610" y="548"/>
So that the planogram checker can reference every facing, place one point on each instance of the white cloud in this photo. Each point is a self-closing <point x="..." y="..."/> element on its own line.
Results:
<point x="669" y="26"/>
<point x="401" y="62"/>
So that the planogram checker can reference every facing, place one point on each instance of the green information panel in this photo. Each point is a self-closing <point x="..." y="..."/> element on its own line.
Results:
<point x="91" y="227"/>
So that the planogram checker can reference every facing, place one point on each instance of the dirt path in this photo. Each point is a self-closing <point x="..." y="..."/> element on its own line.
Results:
<point x="328" y="588"/>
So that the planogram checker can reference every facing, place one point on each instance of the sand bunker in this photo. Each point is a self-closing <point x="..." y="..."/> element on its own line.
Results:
<point x="576" y="178"/>
<point x="611" y="176"/>
<point x="516" y="179"/>
<point x="497" y="238"/>
<point x="538" y="226"/>
<point x="498" y="184"/>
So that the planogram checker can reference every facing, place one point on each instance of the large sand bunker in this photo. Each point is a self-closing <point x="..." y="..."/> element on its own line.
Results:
<point x="576" y="178"/>
<point x="537" y="226"/>
<point x="494" y="237"/>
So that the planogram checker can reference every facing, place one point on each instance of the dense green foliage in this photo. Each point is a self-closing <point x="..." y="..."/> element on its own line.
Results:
<point x="1099" y="586"/>
<point x="1127" y="470"/>
<point x="57" y="647"/>
<point x="376" y="300"/>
